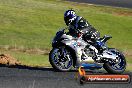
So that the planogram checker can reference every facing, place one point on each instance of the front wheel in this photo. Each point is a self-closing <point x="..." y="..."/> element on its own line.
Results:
<point x="60" y="59"/>
<point x="116" y="68"/>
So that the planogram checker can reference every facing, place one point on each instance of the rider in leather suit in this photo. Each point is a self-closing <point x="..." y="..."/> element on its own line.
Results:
<point x="77" y="24"/>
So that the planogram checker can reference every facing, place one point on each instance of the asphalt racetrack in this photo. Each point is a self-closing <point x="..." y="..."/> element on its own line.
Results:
<point x="116" y="3"/>
<point x="25" y="77"/>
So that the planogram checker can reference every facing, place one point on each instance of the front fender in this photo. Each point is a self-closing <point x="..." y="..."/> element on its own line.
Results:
<point x="72" y="51"/>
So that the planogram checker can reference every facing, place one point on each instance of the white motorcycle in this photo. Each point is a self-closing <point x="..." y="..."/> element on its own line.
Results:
<point x="68" y="52"/>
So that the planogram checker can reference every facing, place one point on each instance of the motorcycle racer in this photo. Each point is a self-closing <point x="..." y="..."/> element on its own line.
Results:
<point x="74" y="48"/>
<point x="78" y="23"/>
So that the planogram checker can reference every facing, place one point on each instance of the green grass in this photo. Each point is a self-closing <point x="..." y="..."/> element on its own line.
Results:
<point x="32" y="60"/>
<point x="32" y="24"/>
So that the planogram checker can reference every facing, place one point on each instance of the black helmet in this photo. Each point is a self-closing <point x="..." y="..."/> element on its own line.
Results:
<point x="69" y="16"/>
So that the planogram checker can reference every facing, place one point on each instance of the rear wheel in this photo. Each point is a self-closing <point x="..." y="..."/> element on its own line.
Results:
<point x="60" y="59"/>
<point x="116" y="68"/>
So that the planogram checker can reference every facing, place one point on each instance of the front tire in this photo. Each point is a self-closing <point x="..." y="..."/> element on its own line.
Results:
<point x="117" y="68"/>
<point x="59" y="61"/>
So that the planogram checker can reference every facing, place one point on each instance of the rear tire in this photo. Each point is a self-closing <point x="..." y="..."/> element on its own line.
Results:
<point x="108" y="67"/>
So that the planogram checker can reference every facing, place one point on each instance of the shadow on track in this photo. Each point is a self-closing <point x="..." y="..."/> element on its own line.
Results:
<point x="53" y="70"/>
<point x="42" y="68"/>
<point x="48" y="69"/>
<point x="32" y="68"/>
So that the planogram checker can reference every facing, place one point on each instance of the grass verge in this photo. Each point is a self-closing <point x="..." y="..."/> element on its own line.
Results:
<point x="31" y="24"/>
<point x="34" y="60"/>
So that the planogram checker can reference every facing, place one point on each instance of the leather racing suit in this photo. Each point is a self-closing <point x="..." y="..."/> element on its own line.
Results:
<point x="80" y="24"/>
